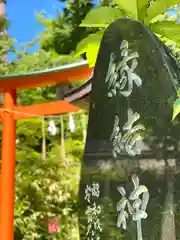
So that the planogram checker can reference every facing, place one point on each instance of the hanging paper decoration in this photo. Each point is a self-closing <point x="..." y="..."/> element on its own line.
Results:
<point x="52" y="128"/>
<point x="71" y="123"/>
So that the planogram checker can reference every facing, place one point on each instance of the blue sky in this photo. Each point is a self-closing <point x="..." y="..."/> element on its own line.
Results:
<point x="21" y="13"/>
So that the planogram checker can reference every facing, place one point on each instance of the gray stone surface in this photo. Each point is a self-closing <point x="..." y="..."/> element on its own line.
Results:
<point x="130" y="177"/>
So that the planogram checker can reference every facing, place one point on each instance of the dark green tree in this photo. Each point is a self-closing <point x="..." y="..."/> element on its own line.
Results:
<point x="63" y="33"/>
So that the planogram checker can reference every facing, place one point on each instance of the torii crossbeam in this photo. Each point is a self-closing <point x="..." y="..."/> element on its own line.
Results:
<point x="9" y="85"/>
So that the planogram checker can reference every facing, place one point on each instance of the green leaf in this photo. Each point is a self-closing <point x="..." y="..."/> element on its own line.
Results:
<point x="92" y="54"/>
<point x="90" y="45"/>
<point x="178" y="92"/>
<point x="158" y="7"/>
<point x="141" y="9"/>
<point x="167" y="29"/>
<point x="101" y="17"/>
<point x="42" y="20"/>
<point x="176" y="108"/>
<point x="137" y="9"/>
<point x="129" y="7"/>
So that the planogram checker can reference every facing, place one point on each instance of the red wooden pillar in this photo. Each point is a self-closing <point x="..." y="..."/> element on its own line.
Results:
<point x="8" y="169"/>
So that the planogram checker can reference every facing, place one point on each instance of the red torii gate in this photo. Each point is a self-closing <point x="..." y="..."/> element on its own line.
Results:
<point x="9" y="85"/>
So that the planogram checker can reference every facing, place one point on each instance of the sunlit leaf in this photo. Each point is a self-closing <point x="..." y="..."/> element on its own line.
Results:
<point x="130" y="7"/>
<point x="101" y="17"/>
<point x="92" y="54"/>
<point x="43" y="20"/>
<point x="136" y="9"/>
<point x="141" y="9"/>
<point x="90" y="45"/>
<point x="158" y="7"/>
<point x="167" y="29"/>
<point x="176" y="108"/>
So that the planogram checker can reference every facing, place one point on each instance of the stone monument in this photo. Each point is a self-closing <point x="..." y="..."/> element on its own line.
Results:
<point x="129" y="186"/>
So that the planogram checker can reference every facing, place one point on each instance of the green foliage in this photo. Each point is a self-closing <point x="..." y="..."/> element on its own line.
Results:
<point x="98" y="17"/>
<point x="39" y="60"/>
<point x="141" y="9"/>
<point x="6" y="45"/>
<point x="151" y="13"/>
<point x="159" y="7"/>
<point x="29" y="136"/>
<point x="167" y="29"/>
<point x="90" y="45"/>
<point x="75" y="151"/>
<point x="130" y="9"/>
<point x="64" y="32"/>
<point x="176" y="106"/>
<point x="42" y="20"/>
<point x="45" y="190"/>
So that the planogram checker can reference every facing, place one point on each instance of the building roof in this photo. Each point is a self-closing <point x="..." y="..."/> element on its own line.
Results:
<point x="66" y="73"/>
